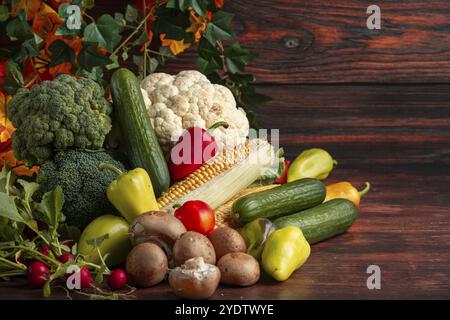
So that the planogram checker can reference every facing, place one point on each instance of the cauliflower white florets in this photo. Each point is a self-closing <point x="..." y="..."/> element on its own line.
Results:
<point x="189" y="99"/>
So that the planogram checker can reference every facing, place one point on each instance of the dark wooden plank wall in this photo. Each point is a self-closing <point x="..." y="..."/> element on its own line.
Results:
<point x="319" y="41"/>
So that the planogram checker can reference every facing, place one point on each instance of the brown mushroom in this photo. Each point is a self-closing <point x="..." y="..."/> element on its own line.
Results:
<point x="239" y="269"/>
<point x="158" y="227"/>
<point x="226" y="240"/>
<point x="192" y="244"/>
<point x="195" y="279"/>
<point x="147" y="264"/>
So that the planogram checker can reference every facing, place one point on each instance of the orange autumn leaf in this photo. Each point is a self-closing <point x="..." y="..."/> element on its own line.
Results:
<point x="46" y="22"/>
<point x="18" y="168"/>
<point x="63" y="68"/>
<point x="6" y="152"/>
<point x="198" y="25"/>
<point x="6" y="126"/>
<point x="176" y="46"/>
<point x="30" y="7"/>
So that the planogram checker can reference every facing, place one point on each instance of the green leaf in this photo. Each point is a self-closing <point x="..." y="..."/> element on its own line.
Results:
<point x="8" y="208"/>
<point x="206" y="50"/>
<point x="125" y="55"/>
<point x="182" y="5"/>
<point x="237" y="58"/>
<point x="95" y="74"/>
<point x="89" y="57"/>
<point x="174" y="26"/>
<point x="18" y="29"/>
<point x="152" y="65"/>
<point x="51" y="207"/>
<point x="220" y="27"/>
<point x="143" y="38"/>
<point x="105" y="32"/>
<point x="29" y="189"/>
<point x="207" y="66"/>
<point x="14" y="79"/>
<point x="4" y="13"/>
<point x="7" y="179"/>
<point x="114" y="64"/>
<point x="199" y="6"/>
<point x="61" y="53"/>
<point x="250" y="97"/>
<point x="242" y="79"/>
<point x="88" y="4"/>
<point x="131" y="13"/>
<point x="120" y="18"/>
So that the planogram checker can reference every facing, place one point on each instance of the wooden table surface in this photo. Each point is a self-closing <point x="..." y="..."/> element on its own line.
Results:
<point x="379" y="102"/>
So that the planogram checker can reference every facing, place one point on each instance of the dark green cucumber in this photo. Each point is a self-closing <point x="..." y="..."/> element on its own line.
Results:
<point x="137" y="131"/>
<point x="324" y="221"/>
<point x="283" y="200"/>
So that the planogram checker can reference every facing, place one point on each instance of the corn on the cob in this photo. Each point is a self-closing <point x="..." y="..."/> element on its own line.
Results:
<point x="224" y="217"/>
<point x="222" y="177"/>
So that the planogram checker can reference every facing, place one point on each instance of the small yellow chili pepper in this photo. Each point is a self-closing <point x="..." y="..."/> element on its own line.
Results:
<point x="312" y="163"/>
<point x="347" y="191"/>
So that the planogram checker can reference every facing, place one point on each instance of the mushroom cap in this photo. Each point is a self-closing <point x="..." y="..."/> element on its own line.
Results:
<point x="195" y="279"/>
<point x="158" y="227"/>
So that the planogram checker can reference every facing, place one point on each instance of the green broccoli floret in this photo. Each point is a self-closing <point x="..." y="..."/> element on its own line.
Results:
<point x="57" y="115"/>
<point x="83" y="184"/>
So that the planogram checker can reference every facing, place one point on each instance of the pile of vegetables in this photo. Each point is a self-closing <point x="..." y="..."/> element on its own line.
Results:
<point x="182" y="195"/>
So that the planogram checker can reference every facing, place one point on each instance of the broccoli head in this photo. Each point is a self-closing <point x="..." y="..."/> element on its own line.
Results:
<point x="57" y="115"/>
<point x="83" y="184"/>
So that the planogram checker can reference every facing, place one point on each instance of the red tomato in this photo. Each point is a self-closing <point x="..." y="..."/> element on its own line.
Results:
<point x="283" y="178"/>
<point x="196" y="216"/>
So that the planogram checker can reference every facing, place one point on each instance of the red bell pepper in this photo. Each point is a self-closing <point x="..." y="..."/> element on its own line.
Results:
<point x="283" y="178"/>
<point x="194" y="148"/>
<point x="196" y="216"/>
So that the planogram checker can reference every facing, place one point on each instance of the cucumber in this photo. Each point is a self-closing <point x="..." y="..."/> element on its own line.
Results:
<point x="283" y="200"/>
<point x="324" y="221"/>
<point x="136" y="129"/>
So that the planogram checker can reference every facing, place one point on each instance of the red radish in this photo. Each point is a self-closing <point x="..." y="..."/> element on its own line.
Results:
<point x="44" y="251"/>
<point x="66" y="257"/>
<point x="85" y="278"/>
<point x="68" y="243"/>
<point x="117" y="279"/>
<point x="37" y="274"/>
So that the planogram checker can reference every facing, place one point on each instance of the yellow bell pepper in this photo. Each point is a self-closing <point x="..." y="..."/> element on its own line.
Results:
<point x="131" y="193"/>
<point x="312" y="163"/>
<point x="285" y="251"/>
<point x="115" y="246"/>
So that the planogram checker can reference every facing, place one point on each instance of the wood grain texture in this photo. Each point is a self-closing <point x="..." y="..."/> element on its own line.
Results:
<point x="321" y="41"/>
<point x="396" y="137"/>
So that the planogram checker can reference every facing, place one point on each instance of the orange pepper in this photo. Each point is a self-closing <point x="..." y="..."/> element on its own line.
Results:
<point x="347" y="191"/>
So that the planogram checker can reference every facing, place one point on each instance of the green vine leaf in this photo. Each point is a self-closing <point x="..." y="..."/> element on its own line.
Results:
<point x="237" y="58"/>
<point x="89" y="57"/>
<point x="131" y="14"/>
<point x="207" y="66"/>
<point x="106" y="32"/>
<point x="220" y="27"/>
<point x="61" y="53"/>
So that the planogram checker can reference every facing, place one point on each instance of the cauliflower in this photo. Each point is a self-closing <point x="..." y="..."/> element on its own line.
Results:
<point x="56" y="115"/>
<point x="189" y="99"/>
